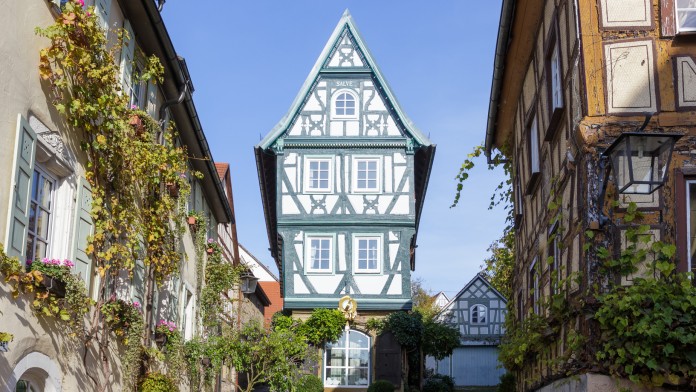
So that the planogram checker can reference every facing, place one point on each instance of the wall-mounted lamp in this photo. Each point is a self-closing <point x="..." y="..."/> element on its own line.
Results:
<point x="640" y="161"/>
<point x="248" y="282"/>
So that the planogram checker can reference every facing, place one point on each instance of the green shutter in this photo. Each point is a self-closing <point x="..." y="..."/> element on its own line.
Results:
<point x="83" y="229"/>
<point x="21" y="183"/>
<point x="127" y="50"/>
<point x="102" y="9"/>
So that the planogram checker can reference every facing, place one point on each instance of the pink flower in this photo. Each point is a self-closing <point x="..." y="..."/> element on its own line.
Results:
<point x="137" y="305"/>
<point x="133" y="107"/>
<point x="182" y="175"/>
<point x="210" y="240"/>
<point x="80" y="2"/>
<point x="88" y="14"/>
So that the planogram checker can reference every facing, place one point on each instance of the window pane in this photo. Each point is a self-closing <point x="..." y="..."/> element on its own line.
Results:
<point x="337" y="356"/>
<point x="40" y="250"/>
<point x="46" y="189"/>
<point x="32" y="217"/>
<point x="42" y="223"/>
<point x="357" y="340"/>
<point x="372" y="184"/>
<point x="357" y="377"/>
<point x="30" y="248"/>
<point x="35" y="185"/>
<point x="335" y="376"/>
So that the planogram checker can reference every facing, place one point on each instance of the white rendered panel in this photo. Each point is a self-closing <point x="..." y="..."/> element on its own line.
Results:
<point x="399" y="158"/>
<point x="388" y="180"/>
<point x="305" y="201"/>
<point x="331" y="202"/>
<point x="288" y="205"/>
<point x="312" y="103"/>
<point x="325" y="284"/>
<point x="396" y="287"/>
<point x="630" y="77"/>
<point x="393" y="250"/>
<point x="392" y="129"/>
<point x="299" y="286"/>
<point x="626" y="13"/>
<point x="399" y="172"/>
<point x="370" y="284"/>
<point x="686" y="82"/>
<point x="376" y="103"/>
<point x="352" y="127"/>
<point x="336" y="128"/>
<point x="291" y="172"/>
<point x="392" y="236"/>
<point x="342" y="266"/>
<point x="338" y="164"/>
<point x="401" y="207"/>
<point x="300" y="252"/>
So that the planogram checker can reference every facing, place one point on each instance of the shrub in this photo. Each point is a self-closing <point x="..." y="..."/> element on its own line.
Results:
<point x="439" y="383"/>
<point x="507" y="383"/>
<point x="381" y="386"/>
<point x="310" y="383"/>
<point x="157" y="382"/>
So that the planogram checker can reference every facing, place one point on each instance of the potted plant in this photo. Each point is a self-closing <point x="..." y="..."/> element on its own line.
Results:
<point x="5" y="339"/>
<point x="164" y="332"/>
<point x="194" y="219"/>
<point x="53" y="274"/>
<point x="120" y="315"/>
<point x="212" y="246"/>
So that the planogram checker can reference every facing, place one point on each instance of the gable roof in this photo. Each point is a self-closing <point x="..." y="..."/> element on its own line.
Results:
<point x="461" y="292"/>
<point x="322" y="66"/>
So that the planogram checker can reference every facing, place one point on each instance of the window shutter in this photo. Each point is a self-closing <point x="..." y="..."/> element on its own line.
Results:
<point x="667" y="20"/>
<point x="83" y="229"/>
<point x="21" y="177"/>
<point x="127" y="50"/>
<point x="102" y="9"/>
<point x="152" y="99"/>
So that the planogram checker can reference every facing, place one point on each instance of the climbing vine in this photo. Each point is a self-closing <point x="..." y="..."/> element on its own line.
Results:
<point x="132" y="163"/>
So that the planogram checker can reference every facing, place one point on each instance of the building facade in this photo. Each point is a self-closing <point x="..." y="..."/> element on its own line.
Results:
<point x="46" y="201"/>
<point x="343" y="178"/>
<point x="478" y="310"/>
<point x="570" y="78"/>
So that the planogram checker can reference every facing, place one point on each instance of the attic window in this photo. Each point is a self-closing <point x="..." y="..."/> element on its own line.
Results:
<point x="344" y="105"/>
<point x="478" y="314"/>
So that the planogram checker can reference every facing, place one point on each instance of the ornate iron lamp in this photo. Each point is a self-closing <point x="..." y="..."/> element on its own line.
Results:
<point x="641" y="161"/>
<point x="248" y="282"/>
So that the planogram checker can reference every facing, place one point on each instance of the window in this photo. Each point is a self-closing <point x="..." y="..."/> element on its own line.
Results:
<point x="138" y="88"/>
<point x="533" y="154"/>
<point x="554" y="258"/>
<point x="691" y="228"/>
<point x="318" y="175"/>
<point x="534" y="287"/>
<point x="347" y="362"/>
<point x="344" y="105"/>
<point x="319" y="254"/>
<point x="366" y="177"/>
<point x="25" y="386"/>
<point x="685" y="15"/>
<point x="478" y="314"/>
<point x="554" y="81"/>
<point x="40" y="215"/>
<point x="366" y="254"/>
<point x="556" y="89"/>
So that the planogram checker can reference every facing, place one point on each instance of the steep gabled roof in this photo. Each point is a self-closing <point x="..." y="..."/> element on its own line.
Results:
<point x="461" y="292"/>
<point x="321" y="67"/>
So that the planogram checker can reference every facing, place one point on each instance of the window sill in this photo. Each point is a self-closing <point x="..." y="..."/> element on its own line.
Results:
<point x="554" y="123"/>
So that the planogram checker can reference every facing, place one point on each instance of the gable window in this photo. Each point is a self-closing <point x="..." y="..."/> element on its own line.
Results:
<point x="318" y="175"/>
<point x="533" y="154"/>
<point x="685" y="11"/>
<point x="345" y="105"/>
<point x="366" y="176"/>
<point x="40" y="215"/>
<point x="366" y="253"/>
<point x="478" y="314"/>
<point x="347" y="362"/>
<point x="319" y="254"/>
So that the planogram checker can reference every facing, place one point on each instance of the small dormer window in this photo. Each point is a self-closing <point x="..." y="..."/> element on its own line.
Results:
<point x="345" y="105"/>
<point x="478" y="314"/>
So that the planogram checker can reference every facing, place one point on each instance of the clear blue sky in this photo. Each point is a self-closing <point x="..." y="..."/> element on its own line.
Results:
<point x="248" y="60"/>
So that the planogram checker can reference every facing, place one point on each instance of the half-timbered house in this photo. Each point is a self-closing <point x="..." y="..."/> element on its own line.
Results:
<point x="343" y="177"/>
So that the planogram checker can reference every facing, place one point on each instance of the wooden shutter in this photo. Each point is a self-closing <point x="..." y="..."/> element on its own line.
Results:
<point x="103" y="9"/>
<point x="668" y="23"/>
<point x="127" y="51"/>
<point x="388" y="359"/>
<point x="83" y="229"/>
<point x="21" y="188"/>
<point x="152" y="99"/>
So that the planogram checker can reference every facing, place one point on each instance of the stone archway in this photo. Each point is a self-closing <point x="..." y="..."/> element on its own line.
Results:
<point x="38" y="370"/>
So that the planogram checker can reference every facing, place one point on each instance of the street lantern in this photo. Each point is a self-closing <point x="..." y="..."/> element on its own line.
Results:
<point x="641" y="160"/>
<point x="248" y="282"/>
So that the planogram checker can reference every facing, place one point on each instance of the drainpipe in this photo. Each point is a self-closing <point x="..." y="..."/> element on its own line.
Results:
<point x="160" y="5"/>
<point x="163" y="114"/>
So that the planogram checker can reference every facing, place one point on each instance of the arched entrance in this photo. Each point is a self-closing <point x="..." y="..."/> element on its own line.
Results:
<point x="36" y="372"/>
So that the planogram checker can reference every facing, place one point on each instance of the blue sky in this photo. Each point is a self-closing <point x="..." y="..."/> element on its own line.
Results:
<point x="249" y="59"/>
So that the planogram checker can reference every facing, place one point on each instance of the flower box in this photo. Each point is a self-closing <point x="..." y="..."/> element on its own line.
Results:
<point x="53" y="285"/>
<point x="160" y="339"/>
<point x="173" y="189"/>
<point x="210" y="251"/>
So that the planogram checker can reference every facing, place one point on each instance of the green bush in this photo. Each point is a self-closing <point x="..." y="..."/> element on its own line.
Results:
<point x="507" y="383"/>
<point x="157" y="382"/>
<point x="310" y="383"/>
<point x="381" y="386"/>
<point x="438" y="383"/>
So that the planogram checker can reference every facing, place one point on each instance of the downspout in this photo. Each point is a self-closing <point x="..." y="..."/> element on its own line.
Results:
<point x="163" y="114"/>
<point x="506" y="12"/>
<point x="160" y="5"/>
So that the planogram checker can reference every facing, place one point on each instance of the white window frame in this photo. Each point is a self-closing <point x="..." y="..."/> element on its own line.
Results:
<point x="137" y="96"/>
<point x="346" y="363"/>
<point x="689" y="243"/>
<point x="307" y="171"/>
<point x="378" y="181"/>
<point x="478" y="309"/>
<point x="334" y="108"/>
<point x="51" y="212"/>
<point x="678" y="26"/>
<point x="308" y="253"/>
<point x="534" y="159"/>
<point x="356" y="256"/>
<point x="556" y="85"/>
<point x="534" y="276"/>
